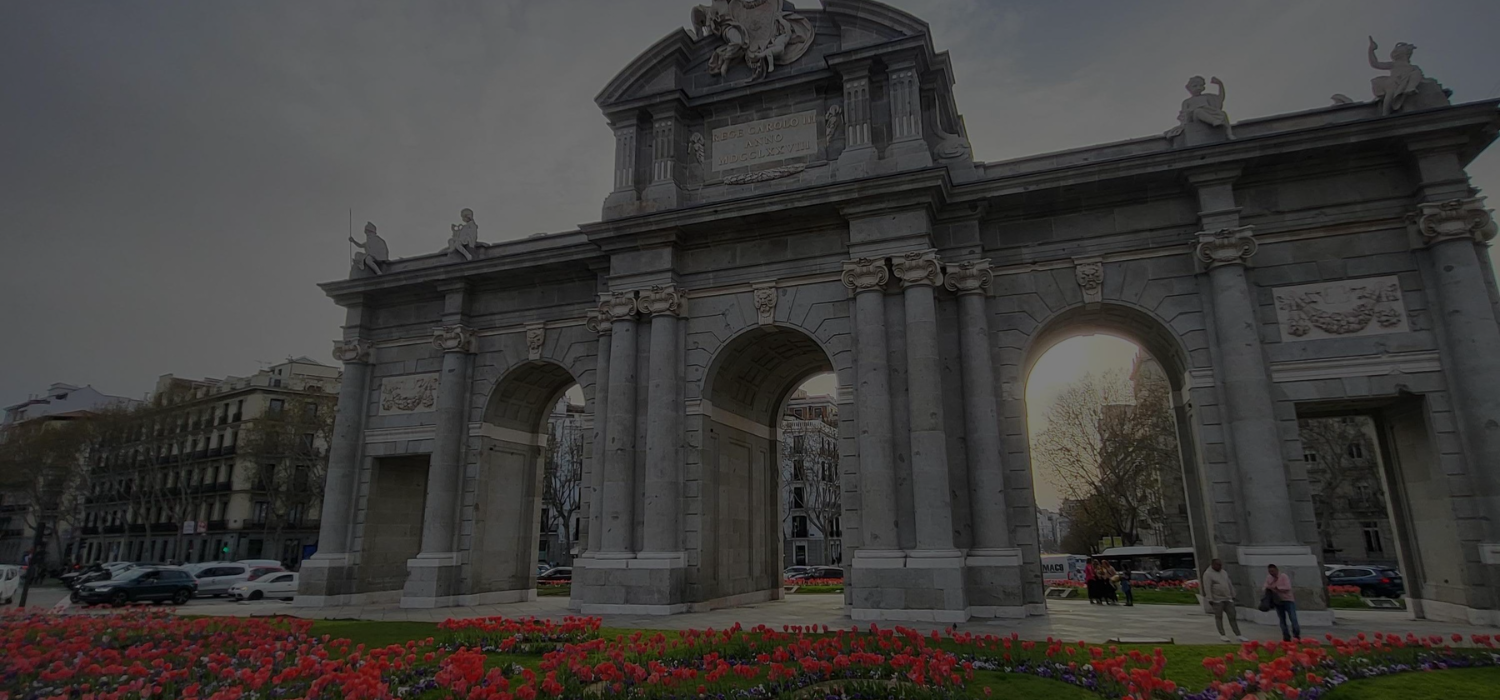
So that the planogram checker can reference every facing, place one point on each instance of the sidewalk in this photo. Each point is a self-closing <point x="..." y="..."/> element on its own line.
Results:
<point x="1066" y="619"/>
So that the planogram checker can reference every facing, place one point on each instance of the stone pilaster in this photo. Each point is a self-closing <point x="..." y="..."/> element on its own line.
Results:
<point x="667" y="131"/>
<point x="433" y="577"/>
<point x="866" y="279"/>
<point x="993" y="566"/>
<point x="904" y="88"/>
<point x="328" y="576"/>
<point x="859" y="153"/>
<point x="600" y="322"/>
<point x="625" y="198"/>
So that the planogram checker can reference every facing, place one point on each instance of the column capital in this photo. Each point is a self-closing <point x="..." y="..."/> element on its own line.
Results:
<point x="866" y="275"/>
<point x="919" y="267"/>
<point x="454" y="338"/>
<point x="1455" y="219"/>
<point x="618" y="306"/>
<point x="660" y="300"/>
<point x="969" y="277"/>
<point x="1226" y="246"/>
<point x="599" y="320"/>
<point x="355" y="350"/>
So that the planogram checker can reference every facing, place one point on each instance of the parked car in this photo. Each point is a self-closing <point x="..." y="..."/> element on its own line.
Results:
<point x="1172" y="575"/>
<point x="557" y="574"/>
<point x="99" y="572"/>
<point x="543" y="568"/>
<point x="258" y="571"/>
<point x="261" y="562"/>
<point x="281" y="585"/>
<point x="216" y="580"/>
<point x="10" y="583"/>
<point x="1373" y="581"/>
<point x="1141" y="577"/>
<point x="819" y="573"/>
<point x="140" y="584"/>
<point x="791" y="571"/>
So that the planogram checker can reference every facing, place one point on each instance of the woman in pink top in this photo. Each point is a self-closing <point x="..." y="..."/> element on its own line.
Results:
<point x="1280" y="587"/>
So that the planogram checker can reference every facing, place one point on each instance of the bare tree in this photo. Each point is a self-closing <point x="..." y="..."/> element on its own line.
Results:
<point x="562" y="478"/>
<point x="810" y="477"/>
<point x="290" y="452"/>
<point x="1105" y="446"/>
<point x="1339" y="456"/>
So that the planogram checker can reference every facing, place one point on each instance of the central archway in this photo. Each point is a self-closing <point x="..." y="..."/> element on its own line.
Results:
<point x="745" y="391"/>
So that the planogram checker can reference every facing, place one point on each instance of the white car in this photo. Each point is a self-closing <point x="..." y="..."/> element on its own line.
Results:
<point x="281" y="585"/>
<point x="216" y="579"/>
<point x="10" y="583"/>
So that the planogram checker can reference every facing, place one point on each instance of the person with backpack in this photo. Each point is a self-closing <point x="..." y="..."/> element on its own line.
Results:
<point x="1278" y="591"/>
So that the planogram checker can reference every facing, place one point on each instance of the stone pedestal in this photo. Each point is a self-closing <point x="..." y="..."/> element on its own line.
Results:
<point x="433" y="580"/>
<point x="639" y="585"/>
<point x="907" y="588"/>
<point x="1300" y="565"/>
<point x="326" y="580"/>
<point x="994" y="584"/>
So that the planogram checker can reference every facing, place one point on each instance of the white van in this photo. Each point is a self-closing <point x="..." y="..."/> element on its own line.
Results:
<point x="10" y="583"/>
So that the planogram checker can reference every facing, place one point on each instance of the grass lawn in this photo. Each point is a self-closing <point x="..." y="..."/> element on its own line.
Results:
<point x="1457" y="684"/>
<point x="1355" y="602"/>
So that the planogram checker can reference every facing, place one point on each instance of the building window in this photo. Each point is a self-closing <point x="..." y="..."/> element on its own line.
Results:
<point x="294" y="515"/>
<point x="275" y="408"/>
<point x="838" y="527"/>
<point x="799" y="497"/>
<point x="307" y="440"/>
<point x="261" y="513"/>
<point x="310" y="410"/>
<point x="1357" y="450"/>
<point x="799" y="555"/>
<point x="1310" y="457"/>
<point x="799" y="526"/>
<point x="1372" y="538"/>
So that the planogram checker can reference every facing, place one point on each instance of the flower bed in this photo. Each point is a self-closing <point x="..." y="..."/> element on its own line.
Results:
<point x="139" y="655"/>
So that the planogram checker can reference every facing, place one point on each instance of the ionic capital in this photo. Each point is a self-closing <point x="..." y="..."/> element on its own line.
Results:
<point x="660" y="300"/>
<point x="1456" y="219"/>
<point x="866" y="275"/>
<point x="617" y="306"/>
<point x="919" y="267"/>
<point x="454" y="338"/>
<point x="599" y="320"/>
<point x="357" y="350"/>
<point x="1226" y="246"/>
<point x="971" y="277"/>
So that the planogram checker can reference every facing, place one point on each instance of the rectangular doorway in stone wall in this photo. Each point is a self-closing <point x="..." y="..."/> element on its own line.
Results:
<point x="392" y="521"/>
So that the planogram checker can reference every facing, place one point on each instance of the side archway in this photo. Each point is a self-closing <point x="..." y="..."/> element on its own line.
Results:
<point x="513" y="434"/>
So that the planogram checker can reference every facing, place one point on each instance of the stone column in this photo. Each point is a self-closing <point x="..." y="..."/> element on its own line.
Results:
<point x="1454" y="232"/>
<point x="859" y="149"/>
<point x="599" y="322"/>
<point x="971" y="281"/>
<point x="919" y="273"/>
<point x="663" y="503"/>
<point x="618" y="516"/>
<point x="434" y="574"/>
<point x="877" y="469"/>
<point x="328" y="575"/>
<point x="904" y="86"/>
<point x="1247" y="388"/>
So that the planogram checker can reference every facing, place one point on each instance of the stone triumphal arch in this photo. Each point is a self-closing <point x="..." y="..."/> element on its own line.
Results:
<point x="794" y="193"/>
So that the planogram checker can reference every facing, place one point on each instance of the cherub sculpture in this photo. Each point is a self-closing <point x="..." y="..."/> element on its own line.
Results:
<point x="1203" y="107"/>
<point x="465" y="239"/>
<point x="374" y="252"/>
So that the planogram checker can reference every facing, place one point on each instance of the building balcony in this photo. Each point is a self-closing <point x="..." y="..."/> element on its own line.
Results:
<point x="235" y="418"/>
<point x="89" y="530"/>
<point x="164" y="527"/>
<point x="218" y="525"/>
<point x="114" y="529"/>
<point x="214" y="451"/>
<point x="228" y="450"/>
<point x="224" y="486"/>
<point x="10" y="533"/>
<point x="137" y="527"/>
<point x="200" y="454"/>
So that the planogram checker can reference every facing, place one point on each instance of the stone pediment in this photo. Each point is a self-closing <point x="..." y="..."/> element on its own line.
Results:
<point x="683" y="61"/>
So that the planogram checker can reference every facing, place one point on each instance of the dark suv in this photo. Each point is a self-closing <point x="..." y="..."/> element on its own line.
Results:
<point x="154" y="585"/>
<point x="1373" y="581"/>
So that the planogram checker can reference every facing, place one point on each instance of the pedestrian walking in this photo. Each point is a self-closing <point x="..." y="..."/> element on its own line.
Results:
<point x="1091" y="581"/>
<point x="1279" y="586"/>
<point x="1127" y="586"/>
<point x="1107" y="585"/>
<point x="1219" y="590"/>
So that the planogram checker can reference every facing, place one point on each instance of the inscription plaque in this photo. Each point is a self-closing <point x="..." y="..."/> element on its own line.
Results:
<point x="766" y="140"/>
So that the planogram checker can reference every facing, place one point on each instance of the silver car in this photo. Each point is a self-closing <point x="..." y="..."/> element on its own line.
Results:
<point x="216" y="579"/>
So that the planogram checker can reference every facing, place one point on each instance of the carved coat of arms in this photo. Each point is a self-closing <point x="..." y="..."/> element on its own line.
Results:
<point x="759" y="32"/>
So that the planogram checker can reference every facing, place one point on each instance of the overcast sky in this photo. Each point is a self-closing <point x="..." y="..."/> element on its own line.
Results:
<point x="176" y="176"/>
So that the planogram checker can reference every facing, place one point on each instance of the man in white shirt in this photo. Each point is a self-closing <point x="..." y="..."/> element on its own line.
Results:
<point x="1219" y="591"/>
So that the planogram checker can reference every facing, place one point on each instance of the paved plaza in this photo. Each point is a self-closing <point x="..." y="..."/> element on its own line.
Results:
<point x="1067" y="619"/>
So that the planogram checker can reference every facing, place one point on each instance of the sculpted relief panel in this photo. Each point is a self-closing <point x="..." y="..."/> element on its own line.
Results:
<point x="1341" y="309"/>
<point x="415" y="393"/>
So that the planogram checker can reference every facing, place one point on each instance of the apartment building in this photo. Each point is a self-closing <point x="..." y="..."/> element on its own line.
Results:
<point x="811" y="525"/>
<point x="213" y="469"/>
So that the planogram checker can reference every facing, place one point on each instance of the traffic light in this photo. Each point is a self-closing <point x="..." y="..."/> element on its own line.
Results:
<point x="224" y="549"/>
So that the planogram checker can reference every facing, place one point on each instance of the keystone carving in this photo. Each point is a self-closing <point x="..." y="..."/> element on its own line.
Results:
<point x="660" y="300"/>
<point x="1091" y="280"/>
<point x="866" y="274"/>
<point x="1227" y="246"/>
<point x="536" y="336"/>
<point x="972" y="277"/>
<point x="1455" y="219"/>
<point x="919" y="267"/>
<point x="765" y="303"/>
<point x="455" y="338"/>
<point x="356" y="350"/>
<point x="618" y="306"/>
